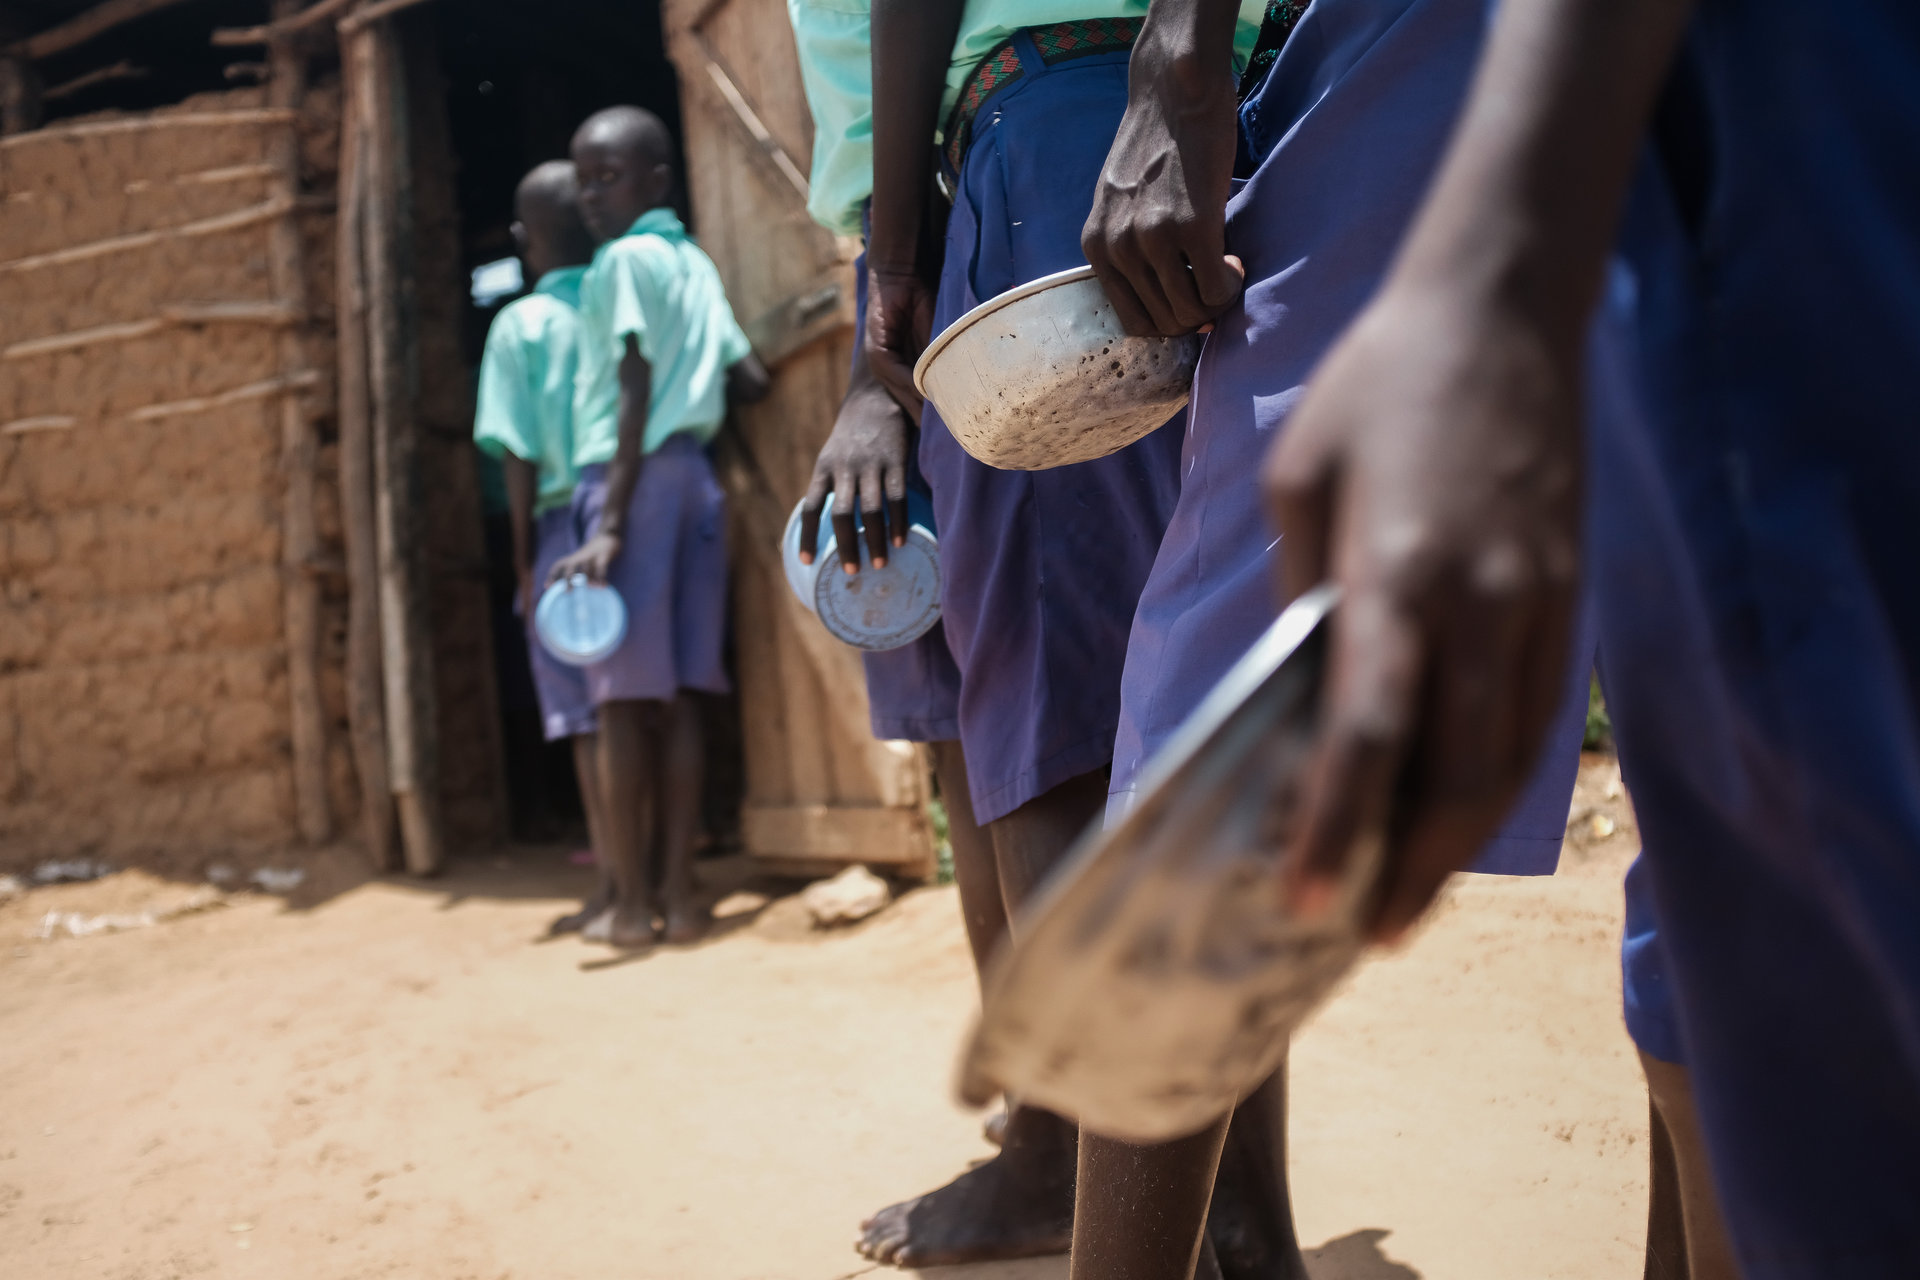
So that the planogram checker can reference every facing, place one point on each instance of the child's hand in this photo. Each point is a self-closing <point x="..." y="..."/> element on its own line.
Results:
<point x="524" y="590"/>
<point x="863" y="464"/>
<point x="899" y="326"/>
<point x="594" y="558"/>
<point x="1157" y="236"/>
<point x="1433" y="470"/>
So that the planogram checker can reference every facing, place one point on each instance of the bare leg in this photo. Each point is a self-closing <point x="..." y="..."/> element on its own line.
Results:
<point x="1251" y="1222"/>
<point x="982" y="909"/>
<point x="974" y="873"/>
<point x="586" y="766"/>
<point x="1142" y="1211"/>
<point x="627" y="782"/>
<point x="1704" y="1252"/>
<point x="1666" y="1223"/>
<point x="1020" y="1203"/>
<point x="683" y="769"/>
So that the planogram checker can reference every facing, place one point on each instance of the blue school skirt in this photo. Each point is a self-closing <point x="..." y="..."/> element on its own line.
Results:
<point x="1756" y="529"/>
<point x="913" y="692"/>
<point x="1040" y="570"/>
<point x="671" y="574"/>
<point x="566" y="709"/>
<point x="1341" y="139"/>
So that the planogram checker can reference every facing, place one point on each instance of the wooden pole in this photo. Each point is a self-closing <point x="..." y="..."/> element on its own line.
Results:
<point x="305" y="20"/>
<point x="406" y="651"/>
<point x="19" y="95"/>
<point x="366" y="699"/>
<point x="95" y="21"/>
<point x="299" y="539"/>
<point x="121" y="70"/>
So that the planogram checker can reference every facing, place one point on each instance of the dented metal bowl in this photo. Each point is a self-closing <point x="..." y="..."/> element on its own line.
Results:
<point x="1043" y="376"/>
<point x="1155" y="978"/>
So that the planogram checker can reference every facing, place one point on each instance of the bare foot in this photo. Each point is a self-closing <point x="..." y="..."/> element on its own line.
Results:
<point x="626" y="929"/>
<point x="1016" y="1205"/>
<point x="686" y="924"/>
<point x="592" y="909"/>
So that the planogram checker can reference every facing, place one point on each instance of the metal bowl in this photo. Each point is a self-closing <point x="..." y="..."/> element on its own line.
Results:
<point x="1153" y="981"/>
<point x="875" y="608"/>
<point x="1043" y="376"/>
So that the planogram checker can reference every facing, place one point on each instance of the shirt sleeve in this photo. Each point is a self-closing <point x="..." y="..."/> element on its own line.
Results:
<point x="504" y="407"/>
<point x="633" y="298"/>
<point x="734" y="346"/>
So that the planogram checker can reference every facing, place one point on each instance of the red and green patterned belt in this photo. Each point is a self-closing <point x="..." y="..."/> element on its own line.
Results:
<point x="1061" y="42"/>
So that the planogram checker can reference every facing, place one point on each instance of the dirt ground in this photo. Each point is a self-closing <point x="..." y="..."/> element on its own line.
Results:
<point x="390" y="1079"/>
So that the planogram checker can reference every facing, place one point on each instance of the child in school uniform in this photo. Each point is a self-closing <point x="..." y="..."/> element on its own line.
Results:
<point x="661" y="356"/>
<point x="1040" y="570"/>
<point x="523" y="416"/>
<point x="1748" y="533"/>
<point x="913" y="692"/>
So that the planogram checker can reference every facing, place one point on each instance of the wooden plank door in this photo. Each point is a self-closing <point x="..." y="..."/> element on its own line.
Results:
<point x="819" y="787"/>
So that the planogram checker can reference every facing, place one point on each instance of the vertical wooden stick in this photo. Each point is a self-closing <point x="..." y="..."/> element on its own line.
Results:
<point x="412" y="737"/>
<point x="300" y="542"/>
<point x="366" y="699"/>
<point x="19" y="95"/>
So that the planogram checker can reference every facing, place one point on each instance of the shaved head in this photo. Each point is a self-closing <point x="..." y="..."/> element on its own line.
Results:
<point x="634" y="131"/>
<point x="623" y="157"/>
<point x="547" y="205"/>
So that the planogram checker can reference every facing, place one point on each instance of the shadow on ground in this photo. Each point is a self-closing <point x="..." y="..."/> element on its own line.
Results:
<point x="1354" y="1256"/>
<point x="1357" y="1256"/>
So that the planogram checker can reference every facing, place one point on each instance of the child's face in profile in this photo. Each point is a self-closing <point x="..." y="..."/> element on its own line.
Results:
<point x="616" y="186"/>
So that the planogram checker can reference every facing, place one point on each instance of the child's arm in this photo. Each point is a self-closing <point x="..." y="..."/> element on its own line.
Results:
<point x="522" y="479"/>
<point x="912" y="46"/>
<point x="748" y="381"/>
<point x="603" y="546"/>
<point x="1433" y="468"/>
<point x="1157" y="236"/>
<point x="864" y="460"/>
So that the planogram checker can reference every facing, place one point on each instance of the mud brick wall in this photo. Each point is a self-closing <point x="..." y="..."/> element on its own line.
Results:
<point x="143" y="686"/>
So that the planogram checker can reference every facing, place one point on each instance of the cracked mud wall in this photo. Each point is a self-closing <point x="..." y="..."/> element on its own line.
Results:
<point x="143" y="686"/>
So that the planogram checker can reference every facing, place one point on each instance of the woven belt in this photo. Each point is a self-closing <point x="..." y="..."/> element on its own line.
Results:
<point x="1061" y="42"/>
<point x="1276" y="24"/>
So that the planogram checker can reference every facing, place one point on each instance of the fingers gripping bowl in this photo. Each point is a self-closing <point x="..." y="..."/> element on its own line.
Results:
<point x="1043" y="375"/>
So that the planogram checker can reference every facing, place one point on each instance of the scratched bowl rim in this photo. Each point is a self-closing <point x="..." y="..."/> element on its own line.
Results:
<point x="946" y="336"/>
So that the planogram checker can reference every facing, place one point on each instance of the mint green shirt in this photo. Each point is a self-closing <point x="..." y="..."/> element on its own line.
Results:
<point x="986" y="23"/>
<point x="835" y="40"/>
<point x="654" y="284"/>
<point x="524" y="404"/>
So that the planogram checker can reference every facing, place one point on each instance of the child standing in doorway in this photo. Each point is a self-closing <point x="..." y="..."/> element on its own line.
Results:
<point x="661" y="359"/>
<point x="524" y="418"/>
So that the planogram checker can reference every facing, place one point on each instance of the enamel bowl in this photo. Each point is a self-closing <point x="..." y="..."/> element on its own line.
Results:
<point x="1043" y="376"/>
<point x="578" y="622"/>
<point x="876" y="608"/>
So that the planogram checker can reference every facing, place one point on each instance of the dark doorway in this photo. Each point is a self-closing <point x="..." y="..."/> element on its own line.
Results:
<point x="519" y="80"/>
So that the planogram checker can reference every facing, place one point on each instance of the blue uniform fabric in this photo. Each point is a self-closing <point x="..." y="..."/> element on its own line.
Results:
<point x="913" y="692"/>
<point x="1341" y="137"/>
<point x="671" y="574"/>
<point x="1040" y="570"/>
<point x="1646" y="993"/>
<point x="566" y="709"/>
<point x="1755" y="528"/>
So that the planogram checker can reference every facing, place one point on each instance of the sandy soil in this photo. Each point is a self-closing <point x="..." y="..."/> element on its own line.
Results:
<point x="396" y="1081"/>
